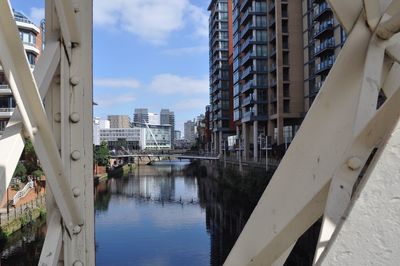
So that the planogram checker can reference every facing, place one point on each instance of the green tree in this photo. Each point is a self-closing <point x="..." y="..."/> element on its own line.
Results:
<point x="31" y="161"/>
<point x="37" y="173"/>
<point x="20" y="170"/>
<point x="101" y="154"/>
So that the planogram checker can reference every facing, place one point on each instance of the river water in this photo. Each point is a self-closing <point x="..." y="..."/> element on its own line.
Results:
<point x="162" y="214"/>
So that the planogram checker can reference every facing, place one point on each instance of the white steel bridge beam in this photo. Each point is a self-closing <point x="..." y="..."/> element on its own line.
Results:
<point x="61" y="132"/>
<point x="341" y="131"/>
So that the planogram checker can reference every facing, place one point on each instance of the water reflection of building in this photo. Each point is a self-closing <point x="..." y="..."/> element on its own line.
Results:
<point x="226" y="215"/>
<point x="150" y="187"/>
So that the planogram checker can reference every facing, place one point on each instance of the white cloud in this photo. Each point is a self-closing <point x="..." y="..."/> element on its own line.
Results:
<point x="36" y="15"/>
<point x="190" y="104"/>
<point x="128" y="83"/>
<point x="199" y="19"/>
<point x="173" y="84"/>
<point x="186" y="50"/>
<point x="110" y="100"/>
<point x="151" y="20"/>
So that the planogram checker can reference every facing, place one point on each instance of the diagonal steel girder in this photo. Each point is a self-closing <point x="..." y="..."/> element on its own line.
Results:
<point x="335" y="140"/>
<point x="12" y="141"/>
<point x="29" y="102"/>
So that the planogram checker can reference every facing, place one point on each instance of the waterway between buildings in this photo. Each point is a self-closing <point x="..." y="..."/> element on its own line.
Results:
<point x="169" y="213"/>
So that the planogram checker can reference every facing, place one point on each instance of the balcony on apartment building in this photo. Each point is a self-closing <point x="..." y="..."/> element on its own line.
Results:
<point x="324" y="46"/>
<point x="272" y="37"/>
<point x="272" y="83"/>
<point x="315" y="88"/>
<point x="247" y="57"/>
<point x="271" y="8"/>
<point x="251" y="116"/>
<point x="246" y="43"/>
<point x="5" y="90"/>
<point x="273" y="52"/>
<point x="218" y="106"/>
<point x="247" y="86"/>
<point x="247" y="72"/>
<point x="321" y="10"/>
<point x="323" y="28"/>
<point x="247" y="14"/>
<point x="217" y="38"/>
<point x="244" y="4"/>
<point x="272" y="68"/>
<point x="249" y="100"/>
<point x="325" y="65"/>
<point x="245" y="29"/>
<point x="273" y="98"/>
<point x="6" y="112"/>
<point x="271" y="23"/>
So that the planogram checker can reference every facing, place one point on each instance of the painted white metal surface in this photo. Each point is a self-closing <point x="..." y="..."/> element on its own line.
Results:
<point x="341" y="131"/>
<point x="59" y="132"/>
<point x="370" y="231"/>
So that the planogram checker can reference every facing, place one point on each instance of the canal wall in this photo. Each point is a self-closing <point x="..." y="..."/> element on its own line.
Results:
<point x="21" y="216"/>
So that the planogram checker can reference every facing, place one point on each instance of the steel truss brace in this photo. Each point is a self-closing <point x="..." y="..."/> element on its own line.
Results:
<point x="342" y="130"/>
<point x="60" y="133"/>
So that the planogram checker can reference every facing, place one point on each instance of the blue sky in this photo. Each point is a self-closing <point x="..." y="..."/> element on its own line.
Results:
<point x="147" y="53"/>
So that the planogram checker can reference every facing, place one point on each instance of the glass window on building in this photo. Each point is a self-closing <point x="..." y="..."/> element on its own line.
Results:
<point x="236" y="102"/>
<point x="236" y="89"/>
<point x="261" y="6"/>
<point x="223" y="16"/>
<point x="261" y="21"/>
<point x="223" y="7"/>
<point x="236" y="76"/>
<point x="261" y="35"/>
<point x="261" y="50"/>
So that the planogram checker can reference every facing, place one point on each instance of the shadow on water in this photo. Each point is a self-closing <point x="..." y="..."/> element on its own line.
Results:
<point x="24" y="246"/>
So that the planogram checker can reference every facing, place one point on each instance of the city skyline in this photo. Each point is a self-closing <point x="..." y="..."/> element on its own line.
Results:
<point x="151" y="64"/>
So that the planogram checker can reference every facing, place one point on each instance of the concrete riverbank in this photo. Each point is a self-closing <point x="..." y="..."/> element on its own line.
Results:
<point x="20" y="216"/>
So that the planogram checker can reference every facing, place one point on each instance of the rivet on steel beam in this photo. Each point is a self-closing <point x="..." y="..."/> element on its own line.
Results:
<point x="74" y="80"/>
<point x="74" y="117"/>
<point x="76" y="155"/>
<point x="34" y="130"/>
<point x="76" y="191"/>
<point x="354" y="163"/>
<point x="77" y="229"/>
<point x="77" y="263"/>
<point x="57" y="117"/>
<point x="69" y="45"/>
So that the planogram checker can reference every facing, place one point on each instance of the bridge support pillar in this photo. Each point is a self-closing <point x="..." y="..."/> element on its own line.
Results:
<point x="237" y="137"/>
<point x="220" y="142"/>
<point x="255" y="140"/>
<point x="245" y="141"/>
<point x="215" y="142"/>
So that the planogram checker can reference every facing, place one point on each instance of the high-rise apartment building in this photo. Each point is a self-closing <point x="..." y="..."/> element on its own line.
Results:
<point x="323" y="39"/>
<point x="267" y="71"/>
<point x="189" y="131"/>
<point x="177" y="134"/>
<point x="154" y="119"/>
<point x="141" y="115"/>
<point x="30" y="36"/>
<point x="119" y="121"/>
<point x="167" y="117"/>
<point x="221" y="50"/>
<point x="282" y="53"/>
